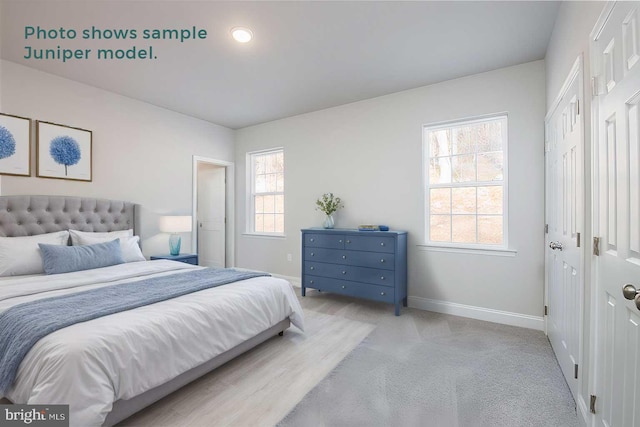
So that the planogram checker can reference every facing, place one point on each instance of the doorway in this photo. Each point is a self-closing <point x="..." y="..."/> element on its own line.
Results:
<point x="213" y="212"/>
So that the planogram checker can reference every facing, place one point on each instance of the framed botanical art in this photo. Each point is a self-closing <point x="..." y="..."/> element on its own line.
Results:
<point x="63" y="152"/>
<point x="15" y="145"/>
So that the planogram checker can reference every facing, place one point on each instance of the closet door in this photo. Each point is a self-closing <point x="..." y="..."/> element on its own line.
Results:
<point x="616" y="69"/>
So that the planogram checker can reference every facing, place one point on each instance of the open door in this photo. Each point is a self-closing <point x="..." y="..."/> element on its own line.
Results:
<point x="211" y="215"/>
<point x="213" y="211"/>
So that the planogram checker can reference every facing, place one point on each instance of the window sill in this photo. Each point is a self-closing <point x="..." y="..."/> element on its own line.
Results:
<point x="265" y="235"/>
<point x="475" y="251"/>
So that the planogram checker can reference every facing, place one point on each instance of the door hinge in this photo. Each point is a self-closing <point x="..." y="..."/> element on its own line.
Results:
<point x="594" y="86"/>
<point x="592" y="404"/>
<point x="577" y="107"/>
<point x="596" y="246"/>
<point x="575" y="371"/>
<point x="578" y="239"/>
<point x="546" y="229"/>
<point x="546" y="310"/>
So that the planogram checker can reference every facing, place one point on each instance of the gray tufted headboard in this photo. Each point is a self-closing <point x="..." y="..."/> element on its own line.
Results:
<point x="31" y="215"/>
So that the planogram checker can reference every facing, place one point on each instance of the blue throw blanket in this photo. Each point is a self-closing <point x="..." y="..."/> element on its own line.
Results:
<point x="23" y="325"/>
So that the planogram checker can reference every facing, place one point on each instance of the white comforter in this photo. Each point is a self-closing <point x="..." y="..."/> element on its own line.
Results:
<point x="92" y="364"/>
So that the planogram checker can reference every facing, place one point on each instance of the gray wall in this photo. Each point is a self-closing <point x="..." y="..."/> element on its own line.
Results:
<point x="141" y="153"/>
<point x="370" y="154"/>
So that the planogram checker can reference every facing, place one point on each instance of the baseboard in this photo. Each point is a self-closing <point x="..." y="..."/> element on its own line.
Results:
<point x="295" y="281"/>
<point x="479" y="313"/>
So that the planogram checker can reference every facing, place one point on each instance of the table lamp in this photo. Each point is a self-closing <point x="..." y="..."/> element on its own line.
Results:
<point x="175" y="225"/>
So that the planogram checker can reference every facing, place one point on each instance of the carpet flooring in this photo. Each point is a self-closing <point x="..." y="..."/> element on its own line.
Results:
<point x="430" y="369"/>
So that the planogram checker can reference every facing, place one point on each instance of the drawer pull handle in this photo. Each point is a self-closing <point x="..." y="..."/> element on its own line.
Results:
<point x="311" y="240"/>
<point x="381" y="277"/>
<point x="340" y="241"/>
<point x="312" y="254"/>
<point x="382" y="293"/>
<point x="348" y="241"/>
<point x="344" y="287"/>
<point x="344" y="272"/>
<point x="382" y="260"/>
<point x="312" y="268"/>
<point x="344" y="257"/>
<point x="381" y="243"/>
<point x="311" y="282"/>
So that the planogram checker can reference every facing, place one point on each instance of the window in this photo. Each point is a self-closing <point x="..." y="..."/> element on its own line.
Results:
<point x="466" y="165"/>
<point x="266" y="198"/>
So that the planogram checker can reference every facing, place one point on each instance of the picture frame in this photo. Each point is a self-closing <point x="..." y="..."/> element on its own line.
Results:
<point x="63" y="152"/>
<point x="15" y="145"/>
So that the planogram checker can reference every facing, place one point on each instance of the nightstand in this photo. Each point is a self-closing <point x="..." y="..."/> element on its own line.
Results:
<point x="186" y="258"/>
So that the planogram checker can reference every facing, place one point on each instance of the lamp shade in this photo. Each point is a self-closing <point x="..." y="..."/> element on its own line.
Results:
<point x="175" y="224"/>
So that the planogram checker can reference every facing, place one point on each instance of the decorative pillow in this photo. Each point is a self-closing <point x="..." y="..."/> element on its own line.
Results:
<point x="129" y="245"/>
<point x="109" y="236"/>
<point x="65" y="259"/>
<point x="21" y="255"/>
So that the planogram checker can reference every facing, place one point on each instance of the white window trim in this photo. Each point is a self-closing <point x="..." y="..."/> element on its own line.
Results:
<point x="465" y="250"/>
<point x="476" y="248"/>
<point x="250" y="214"/>
<point x="265" y="235"/>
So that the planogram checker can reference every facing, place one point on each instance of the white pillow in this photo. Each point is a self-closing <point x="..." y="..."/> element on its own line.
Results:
<point x="21" y="255"/>
<point x="129" y="245"/>
<point x="110" y="235"/>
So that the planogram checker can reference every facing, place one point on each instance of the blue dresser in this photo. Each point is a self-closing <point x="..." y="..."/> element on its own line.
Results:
<point x="363" y="264"/>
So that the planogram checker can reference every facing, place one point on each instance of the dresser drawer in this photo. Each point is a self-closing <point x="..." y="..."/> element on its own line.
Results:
<point x="375" y="260"/>
<point x="335" y="271"/>
<point x="331" y="241"/>
<point x="381" y="261"/>
<point x="332" y="256"/>
<point x="348" y="272"/>
<point x="355" y="289"/>
<point x="370" y="243"/>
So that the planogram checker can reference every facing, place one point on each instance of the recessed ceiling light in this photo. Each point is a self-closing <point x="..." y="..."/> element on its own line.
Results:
<point x="241" y="34"/>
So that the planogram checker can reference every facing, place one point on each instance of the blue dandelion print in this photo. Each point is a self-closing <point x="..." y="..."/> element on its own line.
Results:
<point x="65" y="151"/>
<point x="7" y="143"/>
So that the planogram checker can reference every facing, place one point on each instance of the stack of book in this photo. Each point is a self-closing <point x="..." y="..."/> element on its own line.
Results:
<point x="367" y="227"/>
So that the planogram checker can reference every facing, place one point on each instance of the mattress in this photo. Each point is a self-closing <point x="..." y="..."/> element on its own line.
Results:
<point x="92" y="364"/>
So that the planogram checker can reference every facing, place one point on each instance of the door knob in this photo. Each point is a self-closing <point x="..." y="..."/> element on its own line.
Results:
<point x="555" y="245"/>
<point x="631" y="293"/>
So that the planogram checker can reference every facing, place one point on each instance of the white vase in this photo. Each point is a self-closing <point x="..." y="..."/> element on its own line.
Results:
<point x="328" y="222"/>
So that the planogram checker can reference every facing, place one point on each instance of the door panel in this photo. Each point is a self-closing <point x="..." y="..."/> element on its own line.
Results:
<point x="565" y="210"/>
<point x="614" y="52"/>
<point x="211" y="215"/>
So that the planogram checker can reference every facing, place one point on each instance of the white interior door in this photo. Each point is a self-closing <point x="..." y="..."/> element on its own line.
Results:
<point x="616" y="69"/>
<point x="565" y="220"/>
<point x="211" y="214"/>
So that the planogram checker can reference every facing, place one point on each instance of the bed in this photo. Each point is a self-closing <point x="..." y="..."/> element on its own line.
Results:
<point x="110" y="367"/>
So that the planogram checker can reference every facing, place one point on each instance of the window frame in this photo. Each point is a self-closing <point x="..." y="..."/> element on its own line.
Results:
<point x="250" y="193"/>
<point x="427" y="186"/>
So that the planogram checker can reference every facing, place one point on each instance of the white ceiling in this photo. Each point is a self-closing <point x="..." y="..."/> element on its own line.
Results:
<point x="305" y="56"/>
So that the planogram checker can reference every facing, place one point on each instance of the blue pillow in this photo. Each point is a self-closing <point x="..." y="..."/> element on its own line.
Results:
<point x="64" y="259"/>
